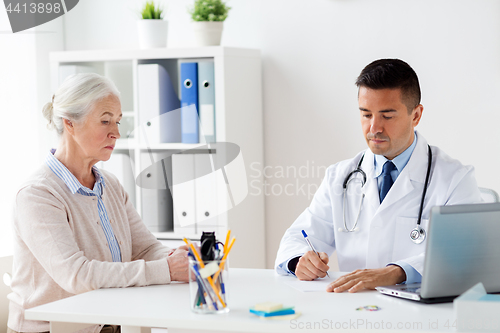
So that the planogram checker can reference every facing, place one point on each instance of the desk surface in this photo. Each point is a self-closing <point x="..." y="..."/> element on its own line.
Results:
<point x="168" y="306"/>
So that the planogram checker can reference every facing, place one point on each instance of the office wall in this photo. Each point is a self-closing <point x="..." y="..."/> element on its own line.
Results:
<point x="312" y="52"/>
<point x="23" y="91"/>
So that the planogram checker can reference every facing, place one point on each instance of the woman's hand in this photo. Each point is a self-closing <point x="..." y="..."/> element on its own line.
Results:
<point x="183" y="247"/>
<point x="179" y="265"/>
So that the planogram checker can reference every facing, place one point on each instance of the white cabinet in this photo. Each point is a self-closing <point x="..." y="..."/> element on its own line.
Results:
<point x="212" y="201"/>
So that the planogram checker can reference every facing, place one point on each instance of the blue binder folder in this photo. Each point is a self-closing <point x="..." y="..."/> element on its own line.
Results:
<point x="206" y="93"/>
<point x="189" y="96"/>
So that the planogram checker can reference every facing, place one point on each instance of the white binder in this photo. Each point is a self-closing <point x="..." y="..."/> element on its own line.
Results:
<point x="119" y="164"/>
<point x="183" y="194"/>
<point x="156" y="202"/>
<point x="206" y="194"/>
<point x="68" y="70"/>
<point x="159" y="113"/>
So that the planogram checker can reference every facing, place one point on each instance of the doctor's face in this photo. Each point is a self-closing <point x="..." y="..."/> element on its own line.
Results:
<point x="387" y="126"/>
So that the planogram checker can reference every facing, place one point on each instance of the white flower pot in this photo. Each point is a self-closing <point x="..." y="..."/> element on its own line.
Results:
<point x="152" y="33"/>
<point x="207" y="33"/>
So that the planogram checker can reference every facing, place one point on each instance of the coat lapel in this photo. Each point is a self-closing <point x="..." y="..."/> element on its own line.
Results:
<point x="370" y="190"/>
<point x="414" y="171"/>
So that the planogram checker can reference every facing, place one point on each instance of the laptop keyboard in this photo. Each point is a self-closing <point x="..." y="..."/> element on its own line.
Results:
<point x="410" y="289"/>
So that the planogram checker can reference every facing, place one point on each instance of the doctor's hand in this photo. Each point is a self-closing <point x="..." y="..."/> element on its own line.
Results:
<point x="311" y="267"/>
<point x="368" y="279"/>
<point x="178" y="264"/>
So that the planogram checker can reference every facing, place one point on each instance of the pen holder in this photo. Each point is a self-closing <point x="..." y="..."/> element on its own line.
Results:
<point x="208" y="286"/>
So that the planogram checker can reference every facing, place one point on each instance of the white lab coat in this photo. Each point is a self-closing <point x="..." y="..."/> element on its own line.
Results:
<point x="383" y="234"/>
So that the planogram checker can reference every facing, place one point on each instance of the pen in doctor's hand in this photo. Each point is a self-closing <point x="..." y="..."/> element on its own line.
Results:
<point x="311" y="246"/>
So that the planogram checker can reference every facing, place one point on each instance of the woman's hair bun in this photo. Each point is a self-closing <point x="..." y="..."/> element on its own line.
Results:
<point x="48" y="112"/>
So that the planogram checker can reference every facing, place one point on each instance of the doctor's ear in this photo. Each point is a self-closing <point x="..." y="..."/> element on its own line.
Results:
<point x="417" y="114"/>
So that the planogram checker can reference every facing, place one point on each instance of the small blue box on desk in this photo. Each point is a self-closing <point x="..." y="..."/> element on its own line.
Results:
<point x="477" y="311"/>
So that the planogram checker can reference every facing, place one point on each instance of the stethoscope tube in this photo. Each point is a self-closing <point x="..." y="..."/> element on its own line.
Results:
<point x="418" y="234"/>
<point x="426" y="184"/>
<point x="344" y="189"/>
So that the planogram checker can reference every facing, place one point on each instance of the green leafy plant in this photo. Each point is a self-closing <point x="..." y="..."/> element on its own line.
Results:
<point x="149" y="12"/>
<point x="209" y="10"/>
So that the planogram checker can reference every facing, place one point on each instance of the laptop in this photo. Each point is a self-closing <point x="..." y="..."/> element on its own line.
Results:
<point x="463" y="248"/>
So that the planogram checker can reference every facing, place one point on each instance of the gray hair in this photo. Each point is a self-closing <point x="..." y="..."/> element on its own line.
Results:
<point x="76" y="97"/>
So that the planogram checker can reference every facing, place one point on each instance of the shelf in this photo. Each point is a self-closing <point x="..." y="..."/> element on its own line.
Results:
<point x="174" y="236"/>
<point x="130" y="144"/>
<point x="238" y="120"/>
<point x="169" y="235"/>
<point x="174" y="146"/>
<point x="160" y="53"/>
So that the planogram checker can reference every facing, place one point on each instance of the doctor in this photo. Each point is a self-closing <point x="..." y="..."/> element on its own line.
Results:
<point x="375" y="225"/>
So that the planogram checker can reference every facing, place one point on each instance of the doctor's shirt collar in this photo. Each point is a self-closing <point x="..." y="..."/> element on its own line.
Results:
<point x="399" y="161"/>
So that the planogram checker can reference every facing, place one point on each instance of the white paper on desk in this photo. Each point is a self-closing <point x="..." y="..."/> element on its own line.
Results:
<point x="307" y="286"/>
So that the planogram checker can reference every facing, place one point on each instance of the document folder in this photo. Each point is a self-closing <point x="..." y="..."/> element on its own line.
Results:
<point x="157" y="98"/>
<point x="189" y="97"/>
<point x="156" y="202"/>
<point x="206" y="93"/>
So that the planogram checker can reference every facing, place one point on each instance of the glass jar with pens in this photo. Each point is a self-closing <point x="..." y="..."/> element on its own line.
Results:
<point x="208" y="272"/>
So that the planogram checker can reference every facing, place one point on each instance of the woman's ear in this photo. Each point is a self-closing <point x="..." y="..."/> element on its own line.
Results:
<point x="68" y="126"/>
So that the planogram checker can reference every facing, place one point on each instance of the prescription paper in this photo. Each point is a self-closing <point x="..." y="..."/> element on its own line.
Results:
<point x="318" y="285"/>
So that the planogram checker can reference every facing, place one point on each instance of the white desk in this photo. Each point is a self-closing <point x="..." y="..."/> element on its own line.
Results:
<point x="168" y="306"/>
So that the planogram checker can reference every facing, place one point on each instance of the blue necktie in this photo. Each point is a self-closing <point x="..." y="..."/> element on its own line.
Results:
<point x="386" y="179"/>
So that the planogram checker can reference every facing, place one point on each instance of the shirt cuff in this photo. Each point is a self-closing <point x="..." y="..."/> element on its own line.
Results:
<point x="292" y="263"/>
<point x="412" y="275"/>
<point x="283" y="267"/>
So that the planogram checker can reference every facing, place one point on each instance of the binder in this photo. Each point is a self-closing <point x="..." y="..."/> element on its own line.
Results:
<point x="159" y="105"/>
<point x="156" y="203"/>
<point x="189" y="97"/>
<point x="68" y="70"/>
<point x="183" y="194"/>
<point x="119" y="164"/>
<point x="206" y="94"/>
<point x="206" y="194"/>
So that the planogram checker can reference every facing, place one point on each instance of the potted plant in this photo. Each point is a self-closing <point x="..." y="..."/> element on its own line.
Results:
<point x="208" y="17"/>
<point x="152" y="27"/>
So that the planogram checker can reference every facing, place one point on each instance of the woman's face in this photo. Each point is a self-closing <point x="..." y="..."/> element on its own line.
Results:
<point x="97" y="134"/>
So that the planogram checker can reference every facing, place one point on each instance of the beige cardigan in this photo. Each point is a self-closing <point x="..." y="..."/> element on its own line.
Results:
<point x="60" y="248"/>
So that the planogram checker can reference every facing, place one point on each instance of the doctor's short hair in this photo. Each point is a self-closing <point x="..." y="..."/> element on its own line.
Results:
<point x="76" y="97"/>
<point x="392" y="74"/>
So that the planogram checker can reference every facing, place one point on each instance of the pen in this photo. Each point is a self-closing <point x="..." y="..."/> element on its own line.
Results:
<point x="311" y="246"/>
<point x="200" y="280"/>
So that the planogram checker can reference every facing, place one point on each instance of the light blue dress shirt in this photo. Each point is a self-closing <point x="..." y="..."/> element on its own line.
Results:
<point x="400" y="161"/>
<point x="75" y="187"/>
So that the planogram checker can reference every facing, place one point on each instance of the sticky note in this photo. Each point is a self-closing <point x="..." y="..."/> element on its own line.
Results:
<point x="268" y="306"/>
<point x="281" y="312"/>
<point x="209" y="270"/>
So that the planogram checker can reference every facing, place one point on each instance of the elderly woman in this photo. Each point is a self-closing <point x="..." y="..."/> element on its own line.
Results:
<point x="75" y="228"/>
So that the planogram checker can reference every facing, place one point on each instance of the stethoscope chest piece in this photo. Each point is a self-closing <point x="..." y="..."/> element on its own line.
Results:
<point x="417" y="235"/>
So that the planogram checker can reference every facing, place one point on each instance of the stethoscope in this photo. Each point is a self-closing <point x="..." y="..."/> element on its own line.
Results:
<point x="417" y="235"/>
